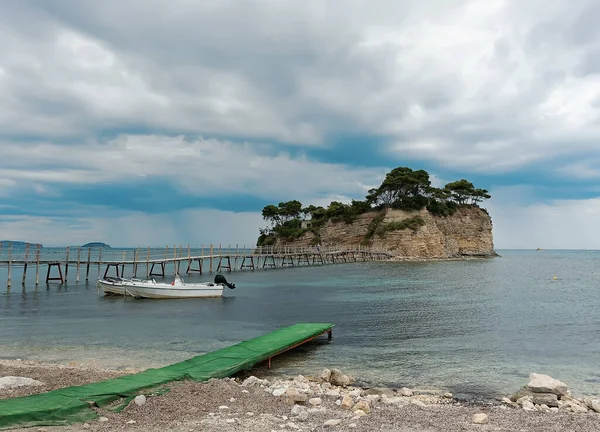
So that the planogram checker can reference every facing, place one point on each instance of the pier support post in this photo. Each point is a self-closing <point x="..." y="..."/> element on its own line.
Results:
<point x="60" y="273"/>
<point x="37" y="265"/>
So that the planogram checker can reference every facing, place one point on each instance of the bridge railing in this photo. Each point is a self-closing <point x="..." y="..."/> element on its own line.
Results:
<point x="167" y="253"/>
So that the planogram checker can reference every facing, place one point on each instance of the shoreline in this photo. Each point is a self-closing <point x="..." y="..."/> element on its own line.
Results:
<point x="313" y="402"/>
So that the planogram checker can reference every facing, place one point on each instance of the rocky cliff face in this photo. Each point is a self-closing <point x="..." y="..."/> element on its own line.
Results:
<point x="468" y="232"/>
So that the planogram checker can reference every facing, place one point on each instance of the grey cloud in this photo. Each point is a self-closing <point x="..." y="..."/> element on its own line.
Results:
<point x="465" y="76"/>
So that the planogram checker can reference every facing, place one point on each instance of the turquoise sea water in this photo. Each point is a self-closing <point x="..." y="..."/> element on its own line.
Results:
<point x="476" y="328"/>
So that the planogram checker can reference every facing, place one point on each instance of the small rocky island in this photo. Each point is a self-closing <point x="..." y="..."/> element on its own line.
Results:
<point x="96" y="245"/>
<point x="18" y="244"/>
<point x="405" y="215"/>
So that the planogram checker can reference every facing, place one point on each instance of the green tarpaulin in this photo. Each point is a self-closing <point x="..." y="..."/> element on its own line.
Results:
<point x="73" y="404"/>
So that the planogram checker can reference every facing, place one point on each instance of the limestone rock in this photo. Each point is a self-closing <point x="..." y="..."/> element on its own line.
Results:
<point x="9" y="382"/>
<point x="140" y="400"/>
<point x="379" y="391"/>
<point x="325" y="375"/>
<point x="362" y="406"/>
<point x="347" y="402"/>
<point x="332" y="422"/>
<point x="339" y="379"/>
<point x="404" y="391"/>
<point x="480" y="418"/>
<point x="522" y="392"/>
<point x="468" y="232"/>
<point x="539" y="383"/>
<point x="594" y="404"/>
<point x="252" y="380"/>
<point x="527" y="405"/>
<point x="297" y="409"/>
<point x="548" y="399"/>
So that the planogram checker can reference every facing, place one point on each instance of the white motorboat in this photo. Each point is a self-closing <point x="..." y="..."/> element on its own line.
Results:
<point x="176" y="289"/>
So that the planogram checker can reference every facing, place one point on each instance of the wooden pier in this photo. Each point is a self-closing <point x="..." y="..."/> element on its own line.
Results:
<point x="172" y="260"/>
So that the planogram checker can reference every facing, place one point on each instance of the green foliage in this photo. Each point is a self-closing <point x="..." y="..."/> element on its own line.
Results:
<point x="373" y="225"/>
<point x="442" y="208"/>
<point x="265" y="239"/>
<point x="411" y="203"/>
<point x="412" y="223"/>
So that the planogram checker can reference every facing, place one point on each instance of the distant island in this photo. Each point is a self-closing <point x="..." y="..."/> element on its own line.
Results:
<point x="18" y="244"/>
<point x="96" y="245"/>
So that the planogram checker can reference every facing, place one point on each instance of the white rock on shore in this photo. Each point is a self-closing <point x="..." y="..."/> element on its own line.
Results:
<point x="10" y="382"/>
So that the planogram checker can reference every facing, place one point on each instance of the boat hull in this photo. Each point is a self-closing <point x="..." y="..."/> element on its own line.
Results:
<point x="111" y="287"/>
<point x="157" y="292"/>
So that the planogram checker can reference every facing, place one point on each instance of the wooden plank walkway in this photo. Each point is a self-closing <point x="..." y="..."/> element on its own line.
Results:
<point x="160" y="262"/>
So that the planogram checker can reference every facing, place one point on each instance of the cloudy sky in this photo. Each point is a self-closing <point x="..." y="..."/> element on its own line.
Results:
<point x="151" y="122"/>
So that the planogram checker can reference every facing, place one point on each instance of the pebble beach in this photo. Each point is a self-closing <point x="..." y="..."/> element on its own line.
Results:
<point x="323" y="400"/>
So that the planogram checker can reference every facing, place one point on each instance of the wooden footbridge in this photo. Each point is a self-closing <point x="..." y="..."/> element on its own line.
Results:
<point x="159" y="261"/>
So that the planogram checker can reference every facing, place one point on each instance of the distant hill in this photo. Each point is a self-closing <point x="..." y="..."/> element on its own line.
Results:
<point x="18" y="244"/>
<point x="96" y="245"/>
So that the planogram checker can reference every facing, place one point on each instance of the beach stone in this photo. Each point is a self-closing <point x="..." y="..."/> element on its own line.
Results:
<point x="352" y="425"/>
<point x="332" y="422"/>
<point x="527" y="405"/>
<point x="521" y="393"/>
<point x="252" y="380"/>
<point x="339" y="379"/>
<point x="393" y="401"/>
<point x="102" y="419"/>
<point x="359" y="413"/>
<point x="86" y="426"/>
<point x="333" y="392"/>
<point x="130" y="422"/>
<point x="347" y="402"/>
<point x="140" y="400"/>
<point x="10" y="382"/>
<point x="373" y="398"/>
<point x="379" y="391"/>
<point x="294" y="396"/>
<point x="480" y="418"/>
<point x="448" y="395"/>
<point x="355" y="392"/>
<point x="418" y="403"/>
<point x="575" y="407"/>
<point x="405" y="391"/>
<point x="303" y="416"/>
<point x="507" y="401"/>
<point x="362" y="406"/>
<point x="223" y="407"/>
<point x="595" y="405"/>
<point x="325" y="375"/>
<point x="297" y="409"/>
<point x="553" y="410"/>
<point x="315" y="401"/>
<point x="540" y="383"/>
<point x="549" y="399"/>
<point x="279" y="392"/>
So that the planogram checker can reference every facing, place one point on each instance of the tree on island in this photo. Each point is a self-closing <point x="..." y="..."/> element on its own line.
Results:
<point x="402" y="188"/>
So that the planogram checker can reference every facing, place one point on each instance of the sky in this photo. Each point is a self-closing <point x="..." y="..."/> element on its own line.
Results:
<point x="149" y="122"/>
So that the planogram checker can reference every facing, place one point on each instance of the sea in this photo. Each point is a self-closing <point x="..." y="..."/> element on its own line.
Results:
<point x="476" y="328"/>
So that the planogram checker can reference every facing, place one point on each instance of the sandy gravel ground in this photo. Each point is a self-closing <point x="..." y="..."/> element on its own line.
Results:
<point x="225" y="405"/>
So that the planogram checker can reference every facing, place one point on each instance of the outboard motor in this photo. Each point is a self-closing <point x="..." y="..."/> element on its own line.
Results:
<point x="220" y="279"/>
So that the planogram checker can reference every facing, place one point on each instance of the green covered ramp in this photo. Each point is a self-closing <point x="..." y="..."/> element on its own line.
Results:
<point x="73" y="404"/>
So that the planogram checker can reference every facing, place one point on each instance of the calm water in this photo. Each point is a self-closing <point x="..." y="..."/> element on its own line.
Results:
<point x="474" y="327"/>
